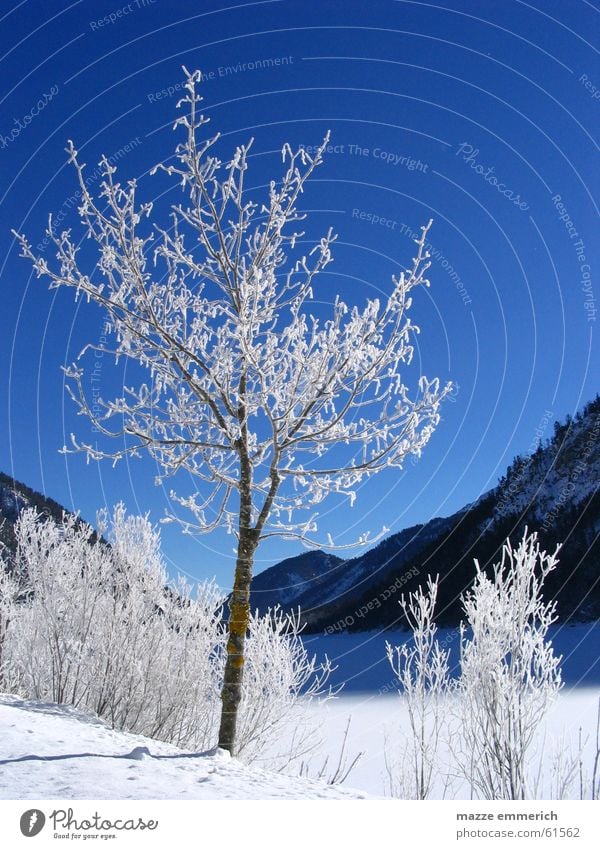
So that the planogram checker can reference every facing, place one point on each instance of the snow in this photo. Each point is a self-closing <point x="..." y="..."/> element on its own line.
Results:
<point x="56" y="752"/>
<point x="52" y="751"/>
<point x="380" y="728"/>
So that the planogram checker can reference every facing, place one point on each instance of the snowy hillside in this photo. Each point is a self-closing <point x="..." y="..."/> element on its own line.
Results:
<point x="564" y="472"/>
<point x="16" y="497"/>
<point x="56" y="752"/>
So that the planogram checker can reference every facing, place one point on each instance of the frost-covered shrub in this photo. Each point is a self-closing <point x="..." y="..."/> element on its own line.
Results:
<point x="509" y="672"/>
<point x="281" y="680"/>
<point x="98" y="625"/>
<point x="492" y="714"/>
<point x="422" y="672"/>
<point x="101" y="628"/>
<point x="11" y="588"/>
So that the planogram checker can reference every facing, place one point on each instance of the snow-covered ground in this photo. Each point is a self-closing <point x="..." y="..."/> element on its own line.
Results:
<point x="55" y="752"/>
<point x="380" y="728"/>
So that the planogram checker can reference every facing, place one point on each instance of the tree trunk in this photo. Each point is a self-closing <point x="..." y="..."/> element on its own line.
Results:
<point x="239" y="617"/>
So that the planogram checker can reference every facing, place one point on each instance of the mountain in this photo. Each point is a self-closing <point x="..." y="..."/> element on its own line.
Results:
<point x="15" y="497"/>
<point x="282" y="583"/>
<point x="553" y="491"/>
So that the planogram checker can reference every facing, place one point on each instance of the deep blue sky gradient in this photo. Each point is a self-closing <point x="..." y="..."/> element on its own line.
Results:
<point x="515" y="84"/>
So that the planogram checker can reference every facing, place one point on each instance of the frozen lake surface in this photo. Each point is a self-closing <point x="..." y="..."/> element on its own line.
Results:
<point x="362" y="665"/>
<point x="379" y="722"/>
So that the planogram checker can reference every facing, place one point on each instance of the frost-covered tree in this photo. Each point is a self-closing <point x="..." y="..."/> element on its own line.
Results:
<point x="509" y="672"/>
<point x="268" y="407"/>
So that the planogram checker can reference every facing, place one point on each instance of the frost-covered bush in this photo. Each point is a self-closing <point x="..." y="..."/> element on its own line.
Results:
<point x="11" y="588"/>
<point x="509" y="672"/>
<point x="422" y="671"/>
<point x="492" y="715"/>
<point x="94" y="622"/>
<point x="101" y="628"/>
<point x="281" y="680"/>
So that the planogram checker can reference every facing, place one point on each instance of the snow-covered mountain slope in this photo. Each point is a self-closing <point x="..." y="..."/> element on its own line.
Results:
<point x="553" y="491"/>
<point x="565" y="472"/>
<point x="314" y="569"/>
<point x="56" y="752"/>
<point x="316" y="578"/>
<point x="15" y="497"/>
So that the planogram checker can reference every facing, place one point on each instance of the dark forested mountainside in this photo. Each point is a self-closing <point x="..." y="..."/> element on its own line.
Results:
<point x="553" y="491"/>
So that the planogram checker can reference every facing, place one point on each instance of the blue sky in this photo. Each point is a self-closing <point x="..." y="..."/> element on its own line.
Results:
<point x="480" y="115"/>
